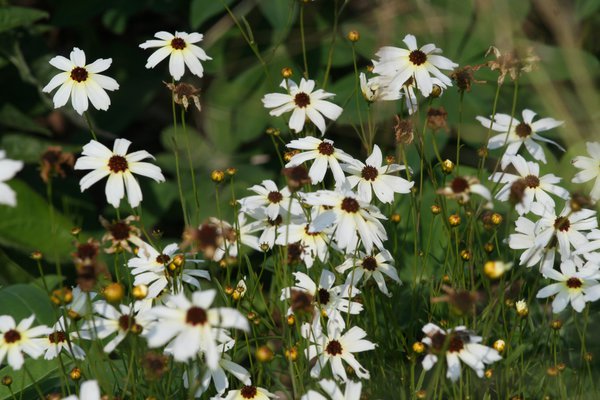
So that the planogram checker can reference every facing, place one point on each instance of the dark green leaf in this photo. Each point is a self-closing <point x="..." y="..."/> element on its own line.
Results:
<point x="12" y="117"/>
<point x="14" y="17"/>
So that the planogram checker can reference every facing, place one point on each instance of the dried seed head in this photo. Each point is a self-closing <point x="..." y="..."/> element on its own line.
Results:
<point x="403" y="130"/>
<point x="437" y="118"/>
<point x="53" y="161"/>
<point x="463" y="77"/>
<point x="296" y="177"/>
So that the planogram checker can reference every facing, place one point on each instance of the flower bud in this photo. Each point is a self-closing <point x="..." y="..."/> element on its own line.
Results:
<point x="396" y="218"/>
<point x="454" y="220"/>
<point x="140" y="292"/>
<point x="287" y="72"/>
<point x="447" y="167"/>
<point x="37" y="255"/>
<point x="75" y="374"/>
<point x="522" y="309"/>
<point x="556" y="324"/>
<point x="353" y="36"/>
<point x="7" y="380"/>
<point x="499" y="345"/>
<point x="435" y="209"/>
<point x="418" y="347"/>
<point x="291" y="353"/>
<point x="217" y="176"/>
<point x="114" y="292"/>
<point x="264" y="354"/>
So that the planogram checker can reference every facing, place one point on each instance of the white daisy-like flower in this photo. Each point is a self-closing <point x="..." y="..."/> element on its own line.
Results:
<point x="536" y="188"/>
<point x="376" y="89"/>
<point x="270" y="197"/>
<point x="60" y="339"/>
<point x="574" y="285"/>
<point x="89" y="390"/>
<point x="305" y="103"/>
<point x="22" y="338"/>
<point x="79" y="307"/>
<point x="410" y="98"/>
<point x="422" y="64"/>
<point x="373" y="176"/>
<point x="229" y="245"/>
<point x="119" y="167"/>
<point x="457" y="344"/>
<point x="521" y="133"/>
<point x="181" y="50"/>
<point x="324" y="154"/>
<point x="249" y="392"/>
<point x="81" y="82"/>
<point x="590" y="168"/>
<point x="334" y="347"/>
<point x="110" y="320"/>
<point x="189" y="326"/>
<point x="524" y="238"/>
<point x="590" y="250"/>
<point x="160" y="269"/>
<point x="267" y="227"/>
<point x="351" y="392"/>
<point x="8" y="169"/>
<point x="370" y="266"/>
<point x="461" y="188"/>
<point x="326" y="299"/>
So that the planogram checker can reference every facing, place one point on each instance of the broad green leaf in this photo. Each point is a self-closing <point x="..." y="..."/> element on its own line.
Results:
<point x="12" y="117"/>
<point x="202" y="10"/>
<point x="29" y="149"/>
<point x="11" y="271"/>
<point x="40" y="370"/>
<point x="14" y="17"/>
<point x="21" y="301"/>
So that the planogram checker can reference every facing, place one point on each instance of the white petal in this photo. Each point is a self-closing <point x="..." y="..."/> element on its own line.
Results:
<point x="176" y="65"/>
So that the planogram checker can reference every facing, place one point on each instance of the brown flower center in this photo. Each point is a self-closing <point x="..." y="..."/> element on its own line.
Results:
<point x="120" y="231"/>
<point x="523" y="130"/>
<point x="178" y="43"/>
<point x="79" y="74"/>
<point x="274" y="197"/>
<point x="126" y="322"/>
<point x="310" y="233"/>
<point x="326" y="148"/>
<point x="369" y="263"/>
<point x="456" y="341"/>
<point x="163" y="259"/>
<point x="324" y="296"/>
<point x="87" y="251"/>
<point x="117" y="164"/>
<point x="350" y="205"/>
<point x="301" y="99"/>
<point x="57" y="337"/>
<point x="531" y="181"/>
<point x="562" y="224"/>
<point x="369" y="173"/>
<point x="275" y="222"/>
<point x="574" y="283"/>
<point x="456" y="344"/>
<point x="248" y="392"/>
<point x="459" y="185"/>
<point x="196" y="316"/>
<point x="417" y="57"/>
<point x="12" y="336"/>
<point x="333" y="348"/>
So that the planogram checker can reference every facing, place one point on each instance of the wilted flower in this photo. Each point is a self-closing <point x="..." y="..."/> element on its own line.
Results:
<point x="404" y="130"/>
<point x="53" y="161"/>
<point x="463" y="77"/>
<point x="436" y="118"/>
<point x="511" y="63"/>
<point x="183" y="93"/>
<point x="376" y="90"/>
<point x="120" y="233"/>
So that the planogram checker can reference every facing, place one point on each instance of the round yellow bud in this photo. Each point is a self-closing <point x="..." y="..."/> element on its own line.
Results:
<point x="588" y="357"/>
<point x="496" y="219"/>
<point x="466" y="255"/>
<point x="136" y="329"/>
<point x="509" y="303"/>
<point x="421" y="394"/>
<point x="561" y="366"/>
<point x="418" y="347"/>
<point x="75" y="231"/>
<point x="273" y="132"/>
<point x="396" y="218"/>
<point x="454" y="220"/>
<point x="291" y="353"/>
<point x="390" y="159"/>
<point x="264" y="247"/>
<point x="114" y="292"/>
<point x="75" y="374"/>
<point x="499" y="345"/>
<point x="489" y="373"/>
<point x="264" y="354"/>
<point x="488" y="247"/>
<point x="436" y="91"/>
<point x="435" y="209"/>
<point x="291" y="320"/>
<point x="552" y="371"/>
<point x="370" y="68"/>
<point x="256" y="321"/>
<point x="482" y="152"/>
<point x="229" y="290"/>
<point x="7" y="380"/>
<point x="53" y="396"/>
<point x="353" y="36"/>
<point x="37" y="255"/>
<point x="495" y="269"/>
<point x="287" y="72"/>
<point x="235" y="295"/>
<point x="140" y="292"/>
<point x="446" y="278"/>
<point x="73" y="315"/>
<point x="447" y="167"/>
<point x="61" y="296"/>
<point x="217" y="176"/>
<point x="287" y="156"/>
<point x="251" y="315"/>
<point x="231" y="171"/>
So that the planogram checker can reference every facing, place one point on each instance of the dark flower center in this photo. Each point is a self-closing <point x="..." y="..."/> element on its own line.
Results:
<point x="333" y="348"/>
<point x="87" y="251"/>
<point x="12" y="336"/>
<point x="459" y="185"/>
<point x="126" y="322"/>
<point x="456" y="341"/>
<point x="350" y="205"/>
<point x="310" y="233"/>
<point x="562" y="224"/>
<point x="79" y="74"/>
<point x="57" y="337"/>
<point x="117" y="164"/>
<point x="324" y="296"/>
<point x="523" y="130"/>
<point x="417" y="57"/>
<point x="302" y="99"/>
<point x="178" y="43"/>
<point x="326" y="148"/>
<point x="120" y="230"/>
<point x="275" y="222"/>
<point x="369" y="173"/>
<point x="369" y="263"/>
<point x="196" y="316"/>
<point x="294" y="252"/>
<point x="531" y="181"/>
<point x="437" y="341"/>
<point x="301" y="301"/>
<point x="275" y="197"/>
<point x="574" y="283"/>
<point x="517" y="191"/>
<point x="248" y="392"/>
<point x="456" y="344"/>
<point x="163" y="259"/>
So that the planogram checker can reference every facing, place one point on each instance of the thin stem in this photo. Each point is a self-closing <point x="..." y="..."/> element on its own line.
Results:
<point x="303" y="41"/>
<point x="191" y="164"/>
<point x="90" y="126"/>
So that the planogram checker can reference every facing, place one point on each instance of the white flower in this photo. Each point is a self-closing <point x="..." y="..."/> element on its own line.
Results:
<point x="399" y="65"/>
<point x="157" y="270"/>
<point x="536" y="187"/>
<point x="189" y="326"/>
<point x="304" y="102"/>
<point x="574" y="285"/>
<point x="89" y="391"/>
<point x="60" y="339"/>
<point x="590" y="168"/>
<point x="520" y="133"/>
<point x="182" y="51"/>
<point x="525" y="239"/>
<point x="18" y="339"/>
<point x="376" y="90"/>
<point x="228" y="247"/>
<point x="334" y="347"/>
<point x="410" y="98"/>
<point x="249" y="392"/>
<point x="324" y="154"/>
<point x="81" y="82"/>
<point x="79" y="306"/>
<point x="457" y="344"/>
<point x="461" y="187"/>
<point x="119" y="167"/>
<point x="270" y="197"/>
<point x="8" y="169"/>
<point x="351" y="392"/>
<point x="367" y="266"/>
<point x="376" y="177"/>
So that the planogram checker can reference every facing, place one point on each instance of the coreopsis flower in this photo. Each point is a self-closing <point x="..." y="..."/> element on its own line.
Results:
<point x="267" y="227"/>
<point x="158" y="270"/>
<point x="249" y="392"/>
<point x="79" y="307"/>
<point x="53" y="161"/>
<point x="305" y="103"/>
<point x="335" y="347"/>
<point x="422" y="64"/>
<point x="120" y="234"/>
<point x="525" y="238"/>
<point x="520" y="133"/>
<point x="276" y="202"/>
<point x="181" y="50"/>
<point x="574" y="285"/>
<point x="61" y="339"/>
<point x="22" y="338"/>
<point x="119" y="167"/>
<point x="324" y="154"/>
<point x="590" y="168"/>
<point x="326" y="298"/>
<point x="370" y="266"/>
<point x="457" y="344"/>
<point x="314" y="240"/>
<point x="373" y="176"/>
<point x="8" y="169"/>
<point x="81" y="82"/>
<point x="590" y="250"/>
<point x="89" y="390"/>
<point x="375" y="89"/>
<point x="351" y="392"/>
<point x="536" y="188"/>
<point x="461" y="188"/>
<point x="188" y="326"/>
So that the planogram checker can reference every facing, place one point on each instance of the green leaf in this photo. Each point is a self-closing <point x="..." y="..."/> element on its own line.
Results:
<point x="40" y="370"/>
<point x="201" y="11"/>
<point x="11" y="271"/>
<point x="12" y="117"/>
<point x="52" y="281"/>
<point x="14" y="17"/>
<point x="21" y="301"/>
<point x="277" y="12"/>
<point x="29" y="149"/>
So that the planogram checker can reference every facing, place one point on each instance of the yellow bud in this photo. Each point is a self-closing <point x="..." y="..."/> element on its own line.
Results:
<point x="37" y="255"/>
<point x="496" y="219"/>
<point x="7" y="380"/>
<point x="231" y="171"/>
<point x="499" y="345"/>
<point x="217" y="176"/>
<point x="489" y="373"/>
<point x="488" y="247"/>
<point x="75" y="374"/>
<point x="466" y="255"/>
<point x="114" y="292"/>
<point x="552" y="371"/>
<point x="140" y="292"/>
<point x="509" y="303"/>
<point x="287" y="72"/>
<point x="447" y="167"/>
<point x="396" y="218"/>
<point x="370" y="68"/>
<point x="73" y="315"/>
<point x="136" y="329"/>
<point x="236" y="295"/>
<point x="588" y="357"/>
<point x="454" y="220"/>
<point x="421" y="394"/>
<point x="287" y="156"/>
<point x="522" y="309"/>
<point x="495" y="269"/>
<point x="256" y="321"/>
<point x="561" y="366"/>
<point x="291" y="353"/>
<point x="435" y="209"/>
<point x="61" y="296"/>
<point x="264" y="354"/>
<point x="228" y="290"/>
<point x="291" y="320"/>
<point x="446" y="278"/>
<point x="418" y="347"/>
<point x="75" y="231"/>
<point x="251" y="315"/>
<point x="390" y="159"/>
<point x="436" y="91"/>
<point x="353" y="36"/>
<point x="273" y="131"/>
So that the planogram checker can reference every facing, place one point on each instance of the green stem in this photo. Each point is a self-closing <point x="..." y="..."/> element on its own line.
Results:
<point x="89" y="123"/>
